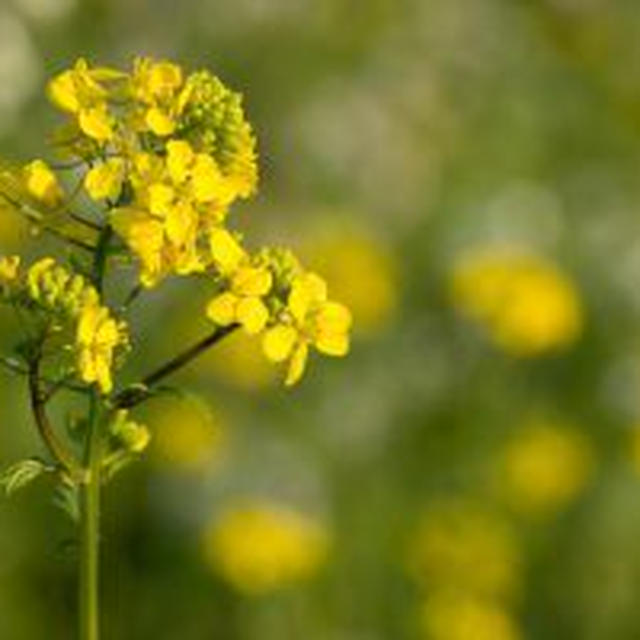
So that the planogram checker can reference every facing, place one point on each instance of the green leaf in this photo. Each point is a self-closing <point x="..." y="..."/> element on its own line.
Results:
<point x="21" y="473"/>
<point x="67" y="498"/>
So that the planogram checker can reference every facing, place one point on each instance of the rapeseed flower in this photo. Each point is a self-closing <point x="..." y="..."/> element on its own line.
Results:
<point x="543" y="467"/>
<point x="527" y="305"/>
<point x="69" y="302"/>
<point x="260" y="546"/>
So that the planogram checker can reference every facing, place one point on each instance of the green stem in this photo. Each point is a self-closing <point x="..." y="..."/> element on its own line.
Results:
<point x="90" y="528"/>
<point x="89" y="591"/>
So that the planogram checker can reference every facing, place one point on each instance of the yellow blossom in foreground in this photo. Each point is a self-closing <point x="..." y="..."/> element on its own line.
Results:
<point x="97" y="336"/>
<point x="242" y="303"/>
<point x="313" y="320"/>
<point x="456" y="616"/>
<point x="259" y="547"/>
<point x="82" y="91"/>
<point x="360" y="272"/>
<point x="460" y="546"/>
<point x="527" y="305"/>
<point x="105" y="179"/>
<point x="543" y="467"/>
<point x="188" y="435"/>
<point x="156" y="85"/>
<point x="41" y="183"/>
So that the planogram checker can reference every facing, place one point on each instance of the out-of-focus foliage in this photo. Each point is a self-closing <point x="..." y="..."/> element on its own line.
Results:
<point x="472" y="471"/>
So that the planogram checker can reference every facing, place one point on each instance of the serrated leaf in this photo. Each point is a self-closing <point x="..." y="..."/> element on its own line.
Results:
<point x="21" y="473"/>
<point x="67" y="498"/>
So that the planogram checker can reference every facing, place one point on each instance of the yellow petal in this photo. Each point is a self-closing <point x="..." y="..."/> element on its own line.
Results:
<point x="161" y="198"/>
<point x="278" y="342"/>
<point x="164" y="78"/>
<point x="105" y="180"/>
<point x="63" y="93"/>
<point x="252" y="314"/>
<point x="222" y="309"/>
<point x="42" y="183"/>
<point x="96" y="123"/>
<point x="332" y="344"/>
<point x="181" y="223"/>
<point x="160" y="122"/>
<point x="179" y="159"/>
<point x="306" y="290"/>
<point x="225" y="250"/>
<point x="206" y="179"/>
<point x="145" y="237"/>
<point x="297" y="364"/>
<point x="251" y="281"/>
<point x="9" y="266"/>
<point x="333" y="317"/>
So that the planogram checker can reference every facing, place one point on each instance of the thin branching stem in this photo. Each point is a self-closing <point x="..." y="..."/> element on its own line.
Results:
<point x="38" y="400"/>
<point x="138" y="393"/>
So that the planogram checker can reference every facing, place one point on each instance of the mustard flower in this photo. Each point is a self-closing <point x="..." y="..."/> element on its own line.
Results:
<point x="259" y="546"/>
<point x="81" y="91"/>
<point x="311" y="319"/>
<point x="527" y="304"/>
<point x="42" y="183"/>
<point x="97" y="334"/>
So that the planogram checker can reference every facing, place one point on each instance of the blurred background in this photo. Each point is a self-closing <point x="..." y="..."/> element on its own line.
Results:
<point x="465" y="172"/>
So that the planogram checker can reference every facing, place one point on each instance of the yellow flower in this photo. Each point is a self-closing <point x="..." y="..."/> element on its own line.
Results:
<point x="259" y="547"/>
<point x="71" y="298"/>
<point x="42" y="183"/>
<point x="543" y="467"/>
<point x="80" y="91"/>
<point x="459" y="616"/>
<point x="312" y="320"/>
<point x="528" y="306"/>
<point x="188" y="435"/>
<point x="242" y="303"/>
<point x="463" y="547"/>
<point x="144" y="235"/>
<point x="104" y="181"/>
<point x="226" y="252"/>
<point x="156" y="85"/>
<point x="97" y="336"/>
<point x="9" y="266"/>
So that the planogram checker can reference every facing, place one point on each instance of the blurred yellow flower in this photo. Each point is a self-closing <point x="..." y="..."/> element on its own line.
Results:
<point x="461" y="546"/>
<point x="187" y="434"/>
<point x="261" y="546"/>
<point x="238" y="360"/>
<point x="9" y="266"/>
<point x="360" y="271"/>
<point x="526" y="303"/>
<point x="455" y="616"/>
<point x="544" y="467"/>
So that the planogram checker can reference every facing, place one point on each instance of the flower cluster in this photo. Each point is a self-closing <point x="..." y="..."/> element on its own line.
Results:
<point x="163" y="156"/>
<point x="67" y="301"/>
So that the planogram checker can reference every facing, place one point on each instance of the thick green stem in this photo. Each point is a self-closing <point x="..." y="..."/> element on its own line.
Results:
<point x="90" y="528"/>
